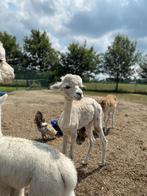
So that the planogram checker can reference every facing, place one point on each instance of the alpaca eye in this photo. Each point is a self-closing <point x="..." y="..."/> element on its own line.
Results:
<point x="67" y="87"/>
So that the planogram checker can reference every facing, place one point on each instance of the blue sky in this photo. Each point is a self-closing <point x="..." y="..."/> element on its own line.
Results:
<point x="65" y="21"/>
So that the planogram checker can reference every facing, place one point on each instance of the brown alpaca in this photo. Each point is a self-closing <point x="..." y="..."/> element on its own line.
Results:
<point x="109" y="104"/>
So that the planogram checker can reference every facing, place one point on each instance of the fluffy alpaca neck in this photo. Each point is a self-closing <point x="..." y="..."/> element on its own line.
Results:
<point x="67" y="111"/>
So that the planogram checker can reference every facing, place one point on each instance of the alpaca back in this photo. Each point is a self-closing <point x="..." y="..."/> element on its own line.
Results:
<point x="109" y="102"/>
<point x="28" y="162"/>
<point x="83" y="111"/>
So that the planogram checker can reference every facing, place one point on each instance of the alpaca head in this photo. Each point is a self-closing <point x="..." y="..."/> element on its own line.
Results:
<point x="70" y="84"/>
<point x="6" y="71"/>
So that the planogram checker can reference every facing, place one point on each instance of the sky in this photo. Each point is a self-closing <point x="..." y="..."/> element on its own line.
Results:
<point x="66" y="21"/>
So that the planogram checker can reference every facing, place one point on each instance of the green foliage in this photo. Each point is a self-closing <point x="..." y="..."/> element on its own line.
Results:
<point x="26" y="74"/>
<point x="13" y="50"/>
<point x="119" y="59"/>
<point x="38" y="52"/>
<point x="79" y="59"/>
<point x="143" y="67"/>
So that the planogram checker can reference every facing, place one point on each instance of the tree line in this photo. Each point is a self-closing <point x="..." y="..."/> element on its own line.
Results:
<point x="37" y="54"/>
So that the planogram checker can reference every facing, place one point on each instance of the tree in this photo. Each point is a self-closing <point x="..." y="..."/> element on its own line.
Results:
<point x="79" y="59"/>
<point x="38" y="52"/>
<point x="119" y="59"/>
<point x="143" y="67"/>
<point x="13" y="50"/>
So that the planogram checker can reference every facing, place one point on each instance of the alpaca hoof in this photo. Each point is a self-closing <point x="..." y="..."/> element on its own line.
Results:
<point x="84" y="163"/>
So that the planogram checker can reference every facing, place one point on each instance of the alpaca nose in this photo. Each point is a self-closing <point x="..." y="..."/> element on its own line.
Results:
<point x="79" y="94"/>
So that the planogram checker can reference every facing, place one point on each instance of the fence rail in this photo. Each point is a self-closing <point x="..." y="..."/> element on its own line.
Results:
<point x="95" y="86"/>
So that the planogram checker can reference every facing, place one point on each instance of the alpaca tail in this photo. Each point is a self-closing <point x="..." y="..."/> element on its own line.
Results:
<point x="69" y="176"/>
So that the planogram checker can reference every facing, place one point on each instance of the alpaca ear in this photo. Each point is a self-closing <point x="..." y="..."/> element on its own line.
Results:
<point x="83" y="86"/>
<point x="57" y="85"/>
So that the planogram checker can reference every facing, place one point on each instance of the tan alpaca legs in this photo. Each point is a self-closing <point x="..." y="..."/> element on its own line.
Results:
<point x="106" y="119"/>
<point x="113" y="117"/>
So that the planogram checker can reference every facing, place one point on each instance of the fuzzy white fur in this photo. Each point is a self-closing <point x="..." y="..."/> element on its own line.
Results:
<point x="6" y="71"/>
<point x="24" y="162"/>
<point x="79" y="112"/>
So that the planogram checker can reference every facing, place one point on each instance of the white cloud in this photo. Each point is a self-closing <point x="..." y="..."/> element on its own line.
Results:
<point x="102" y="42"/>
<point x="96" y="21"/>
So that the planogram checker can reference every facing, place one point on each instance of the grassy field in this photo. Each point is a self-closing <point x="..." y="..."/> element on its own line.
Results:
<point x="11" y="88"/>
<point x="136" y="98"/>
<point x="110" y="87"/>
<point x="7" y="88"/>
<point x="127" y="92"/>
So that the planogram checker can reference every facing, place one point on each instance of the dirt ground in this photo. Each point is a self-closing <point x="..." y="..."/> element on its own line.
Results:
<point x="126" y="169"/>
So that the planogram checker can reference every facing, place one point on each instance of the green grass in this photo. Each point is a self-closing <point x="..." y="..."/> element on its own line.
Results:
<point x="110" y="87"/>
<point x="127" y="92"/>
<point x="10" y="88"/>
<point x="137" y="98"/>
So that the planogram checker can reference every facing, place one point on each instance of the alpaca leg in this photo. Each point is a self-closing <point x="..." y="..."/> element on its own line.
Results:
<point x="17" y="192"/>
<point x="91" y="142"/>
<point x="113" y="113"/>
<point x="99" y="128"/>
<point x="103" y="146"/>
<point x="65" y="141"/>
<point x="71" y="194"/>
<point x="73" y="143"/>
<point x="106" y="119"/>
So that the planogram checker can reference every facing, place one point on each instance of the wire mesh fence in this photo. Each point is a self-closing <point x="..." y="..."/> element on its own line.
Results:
<point x="29" y="84"/>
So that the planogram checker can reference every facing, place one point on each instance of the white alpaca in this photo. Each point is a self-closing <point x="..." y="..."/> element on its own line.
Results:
<point x="6" y="71"/>
<point x="24" y="162"/>
<point x="109" y="104"/>
<point x="79" y="112"/>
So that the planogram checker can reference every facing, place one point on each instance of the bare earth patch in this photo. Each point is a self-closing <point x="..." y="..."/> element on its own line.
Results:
<point x="126" y="169"/>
